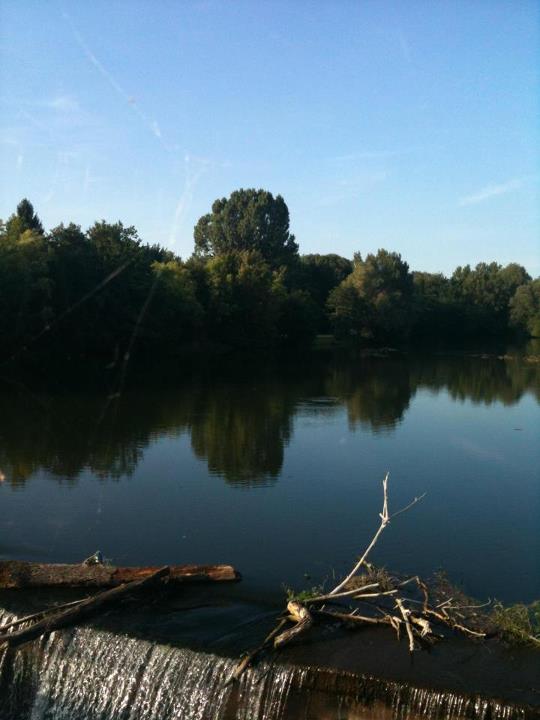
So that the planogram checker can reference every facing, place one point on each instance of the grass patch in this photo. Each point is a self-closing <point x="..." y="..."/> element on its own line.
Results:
<point x="519" y="623"/>
<point x="303" y="595"/>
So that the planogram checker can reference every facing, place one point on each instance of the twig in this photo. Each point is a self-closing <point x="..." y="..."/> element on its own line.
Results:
<point x="469" y="607"/>
<point x="353" y="617"/>
<point x="455" y="626"/>
<point x="407" y="507"/>
<point x="374" y="595"/>
<point x="347" y="593"/>
<point x="246" y="661"/>
<point x="405" y="613"/>
<point x="385" y="520"/>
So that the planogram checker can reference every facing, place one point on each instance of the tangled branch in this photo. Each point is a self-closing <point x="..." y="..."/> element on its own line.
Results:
<point x="384" y="595"/>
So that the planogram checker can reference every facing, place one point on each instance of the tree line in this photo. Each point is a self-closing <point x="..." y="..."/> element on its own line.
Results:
<point x="100" y="291"/>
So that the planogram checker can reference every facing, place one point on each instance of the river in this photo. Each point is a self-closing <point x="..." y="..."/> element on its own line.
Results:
<point x="274" y="467"/>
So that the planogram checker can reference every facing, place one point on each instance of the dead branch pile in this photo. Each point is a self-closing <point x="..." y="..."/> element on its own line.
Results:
<point x="368" y="596"/>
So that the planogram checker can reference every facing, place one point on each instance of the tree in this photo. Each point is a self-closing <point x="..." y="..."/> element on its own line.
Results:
<point x="23" y="221"/>
<point x="124" y="265"/>
<point x="297" y="316"/>
<point x="318" y="275"/>
<point x="436" y="314"/>
<point x="25" y="286"/>
<point x="175" y="315"/>
<point x="73" y="265"/>
<point x="27" y="216"/>
<point x="484" y="294"/>
<point x="248" y="221"/>
<point x="348" y="310"/>
<point x="525" y="308"/>
<point x="375" y="300"/>
<point x="242" y="306"/>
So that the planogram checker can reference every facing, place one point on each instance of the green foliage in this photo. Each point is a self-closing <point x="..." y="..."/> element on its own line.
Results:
<point x="25" y="286"/>
<point x="242" y="307"/>
<point x="303" y="596"/>
<point x="483" y="295"/>
<point x="435" y="310"/>
<point x="375" y="300"/>
<point x="318" y="275"/>
<point x="247" y="221"/>
<point x="95" y="292"/>
<point x="525" y="308"/>
<point x="518" y="623"/>
<point x="175" y="316"/>
<point x="297" y="316"/>
<point x="27" y="218"/>
<point x="349" y="311"/>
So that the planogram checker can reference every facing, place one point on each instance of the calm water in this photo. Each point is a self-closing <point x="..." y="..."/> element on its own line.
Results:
<point x="278" y="470"/>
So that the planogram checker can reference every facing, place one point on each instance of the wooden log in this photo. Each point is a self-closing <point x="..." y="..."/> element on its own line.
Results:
<point x="20" y="574"/>
<point x="81" y="611"/>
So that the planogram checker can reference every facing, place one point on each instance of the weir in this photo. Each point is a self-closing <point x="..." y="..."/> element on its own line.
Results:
<point x="93" y="674"/>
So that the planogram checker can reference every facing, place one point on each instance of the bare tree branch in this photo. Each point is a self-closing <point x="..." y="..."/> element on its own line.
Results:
<point x="385" y="520"/>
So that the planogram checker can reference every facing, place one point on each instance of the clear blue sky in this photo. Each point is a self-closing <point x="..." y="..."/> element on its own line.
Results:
<point x="406" y="125"/>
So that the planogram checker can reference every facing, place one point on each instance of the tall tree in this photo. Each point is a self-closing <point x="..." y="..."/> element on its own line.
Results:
<point x="249" y="220"/>
<point x="28" y="218"/>
<point x="24" y="220"/>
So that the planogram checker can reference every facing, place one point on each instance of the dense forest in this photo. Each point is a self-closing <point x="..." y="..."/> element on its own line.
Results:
<point x="102" y="291"/>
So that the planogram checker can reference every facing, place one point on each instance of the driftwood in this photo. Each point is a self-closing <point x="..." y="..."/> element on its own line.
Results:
<point x="302" y="619"/>
<point x="384" y="595"/>
<point x="249" y="657"/>
<point x="57" y="618"/>
<point x="16" y="574"/>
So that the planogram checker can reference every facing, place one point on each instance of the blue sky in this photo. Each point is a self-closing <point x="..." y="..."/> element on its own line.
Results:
<point x="405" y="125"/>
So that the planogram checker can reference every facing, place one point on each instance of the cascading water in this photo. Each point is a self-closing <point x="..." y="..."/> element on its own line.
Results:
<point x="90" y="674"/>
<point x="86" y="674"/>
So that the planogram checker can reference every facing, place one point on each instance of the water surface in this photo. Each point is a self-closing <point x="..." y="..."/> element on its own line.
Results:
<point x="277" y="469"/>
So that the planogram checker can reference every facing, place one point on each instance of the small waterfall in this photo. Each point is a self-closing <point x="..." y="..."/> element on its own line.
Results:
<point x="86" y="674"/>
<point x="90" y="674"/>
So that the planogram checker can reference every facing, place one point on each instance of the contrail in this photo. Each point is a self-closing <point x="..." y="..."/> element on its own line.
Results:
<point x="151" y="125"/>
<point x="186" y="196"/>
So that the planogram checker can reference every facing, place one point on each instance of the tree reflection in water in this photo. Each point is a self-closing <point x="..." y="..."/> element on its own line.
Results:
<point x="239" y="424"/>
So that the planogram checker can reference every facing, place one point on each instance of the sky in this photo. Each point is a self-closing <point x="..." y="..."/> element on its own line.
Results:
<point x="407" y="125"/>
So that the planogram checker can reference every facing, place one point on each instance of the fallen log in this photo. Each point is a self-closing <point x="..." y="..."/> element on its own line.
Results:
<point x="82" y="610"/>
<point x="20" y="574"/>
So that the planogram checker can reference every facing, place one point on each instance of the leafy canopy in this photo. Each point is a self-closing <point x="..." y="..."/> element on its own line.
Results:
<point x="251" y="221"/>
